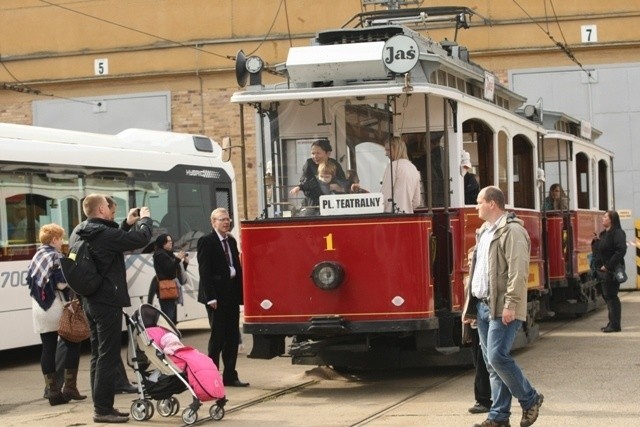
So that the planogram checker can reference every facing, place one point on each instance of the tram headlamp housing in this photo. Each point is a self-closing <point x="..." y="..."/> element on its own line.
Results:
<point x="327" y="275"/>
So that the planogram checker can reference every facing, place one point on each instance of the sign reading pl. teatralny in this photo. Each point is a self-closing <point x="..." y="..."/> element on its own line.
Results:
<point x="351" y="204"/>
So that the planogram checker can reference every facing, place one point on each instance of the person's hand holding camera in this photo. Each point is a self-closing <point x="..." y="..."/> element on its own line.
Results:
<point x="137" y="213"/>
<point x="144" y="212"/>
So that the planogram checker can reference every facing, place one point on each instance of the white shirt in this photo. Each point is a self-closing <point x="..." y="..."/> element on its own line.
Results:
<point x="480" y="282"/>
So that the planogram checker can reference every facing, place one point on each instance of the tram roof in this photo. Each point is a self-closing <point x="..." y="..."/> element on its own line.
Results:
<point x="340" y="60"/>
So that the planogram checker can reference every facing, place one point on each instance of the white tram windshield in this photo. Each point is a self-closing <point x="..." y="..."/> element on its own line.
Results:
<point x="180" y="189"/>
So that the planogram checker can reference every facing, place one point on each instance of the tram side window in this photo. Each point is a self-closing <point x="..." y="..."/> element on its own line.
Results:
<point x="556" y="194"/>
<point x="603" y="185"/>
<point x="417" y="149"/>
<point x="583" y="181"/>
<point x="523" y="179"/>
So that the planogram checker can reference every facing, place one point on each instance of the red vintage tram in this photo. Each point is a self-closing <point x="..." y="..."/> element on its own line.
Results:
<point x="357" y="287"/>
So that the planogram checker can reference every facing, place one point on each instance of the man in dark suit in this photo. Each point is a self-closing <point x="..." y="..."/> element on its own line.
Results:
<point x="221" y="292"/>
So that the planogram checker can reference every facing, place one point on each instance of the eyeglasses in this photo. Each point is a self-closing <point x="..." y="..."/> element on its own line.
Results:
<point x="223" y="219"/>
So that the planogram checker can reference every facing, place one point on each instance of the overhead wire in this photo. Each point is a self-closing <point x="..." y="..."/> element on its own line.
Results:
<point x="555" y="15"/>
<point x="563" y="46"/>
<point x="231" y="57"/>
<point x="24" y="88"/>
<point x="286" y="14"/>
<point x="273" y="23"/>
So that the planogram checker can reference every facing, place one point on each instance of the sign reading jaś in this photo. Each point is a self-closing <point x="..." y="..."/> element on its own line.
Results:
<point x="400" y="54"/>
<point x="351" y="204"/>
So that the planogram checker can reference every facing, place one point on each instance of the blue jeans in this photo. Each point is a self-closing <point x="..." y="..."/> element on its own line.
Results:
<point x="506" y="376"/>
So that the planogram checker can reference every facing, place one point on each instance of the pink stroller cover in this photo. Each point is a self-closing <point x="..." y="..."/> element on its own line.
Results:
<point x="202" y="374"/>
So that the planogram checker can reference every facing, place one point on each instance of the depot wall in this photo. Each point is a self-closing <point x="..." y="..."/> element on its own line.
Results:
<point x="187" y="47"/>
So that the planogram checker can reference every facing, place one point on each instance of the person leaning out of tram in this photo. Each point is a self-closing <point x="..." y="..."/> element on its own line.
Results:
<point x="309" y="184"/>
<point x="556" y="200"/>
<point x="609" y="249"/>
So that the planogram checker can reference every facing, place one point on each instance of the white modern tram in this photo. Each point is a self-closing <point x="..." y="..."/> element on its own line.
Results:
<point x="45" y="173"/>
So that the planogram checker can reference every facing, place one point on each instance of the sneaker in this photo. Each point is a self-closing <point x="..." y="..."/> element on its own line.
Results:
<point x="493" y="423"/>
<point x="530" y="415"/>
<point x="478" y="408"/>
<point x="109" y="418"/>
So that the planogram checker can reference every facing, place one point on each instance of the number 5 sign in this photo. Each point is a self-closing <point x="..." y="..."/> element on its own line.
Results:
<point x="589" y="33"/>
<point x="101" y="67"/>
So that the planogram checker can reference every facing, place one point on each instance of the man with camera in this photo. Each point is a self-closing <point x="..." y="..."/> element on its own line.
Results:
<point x="108" y="242"/>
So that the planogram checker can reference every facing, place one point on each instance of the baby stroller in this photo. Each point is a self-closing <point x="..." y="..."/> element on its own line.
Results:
<point x="159" y="375"/>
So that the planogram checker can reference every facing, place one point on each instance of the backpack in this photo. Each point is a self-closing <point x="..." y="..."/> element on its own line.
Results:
<point x="79" y="269"/>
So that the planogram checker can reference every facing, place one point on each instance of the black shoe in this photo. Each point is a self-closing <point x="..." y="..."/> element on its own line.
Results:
<point x="478" y="408"/>
<point x="610" y="329"/>
<point x="127" y="388"/>
<point x="109" y="418"/>
<point x="235" y="383"/>
<point x="115" y="411"/>
<point x="493" y="423"/>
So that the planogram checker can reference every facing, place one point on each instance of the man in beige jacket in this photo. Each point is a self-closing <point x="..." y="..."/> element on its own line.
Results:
<point x="497" y="298"/>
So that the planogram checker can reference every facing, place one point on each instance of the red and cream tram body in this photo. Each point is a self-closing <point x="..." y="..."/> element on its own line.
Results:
<point x="357" y="287"/>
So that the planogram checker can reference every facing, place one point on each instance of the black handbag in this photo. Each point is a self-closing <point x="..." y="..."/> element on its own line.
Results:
<point x="620" y="274"/>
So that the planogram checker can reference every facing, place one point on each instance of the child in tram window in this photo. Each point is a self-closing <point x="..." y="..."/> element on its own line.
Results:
<point x="328" y="181"/>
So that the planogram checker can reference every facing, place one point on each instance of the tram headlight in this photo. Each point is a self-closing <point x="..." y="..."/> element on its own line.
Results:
<point x="327" y="275"/>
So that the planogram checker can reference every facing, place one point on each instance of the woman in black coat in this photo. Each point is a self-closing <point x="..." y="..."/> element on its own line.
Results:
<point x="167" y="266"/>
<point x="609" y="249"/>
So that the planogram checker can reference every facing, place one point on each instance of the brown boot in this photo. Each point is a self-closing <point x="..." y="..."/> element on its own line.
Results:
<point x="70" y="388"/>
<point x="55" y="395"/>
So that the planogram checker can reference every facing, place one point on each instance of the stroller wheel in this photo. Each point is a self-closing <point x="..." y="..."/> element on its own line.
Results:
<point x="216" y="412"/>
<point x="189" y="416"/>
<point x="141" y="410"/>
<point x="165" y="407"/>
<point x="175" y="405"/>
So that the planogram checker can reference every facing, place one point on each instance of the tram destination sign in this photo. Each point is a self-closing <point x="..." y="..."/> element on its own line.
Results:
<point x="351" y="204"/>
